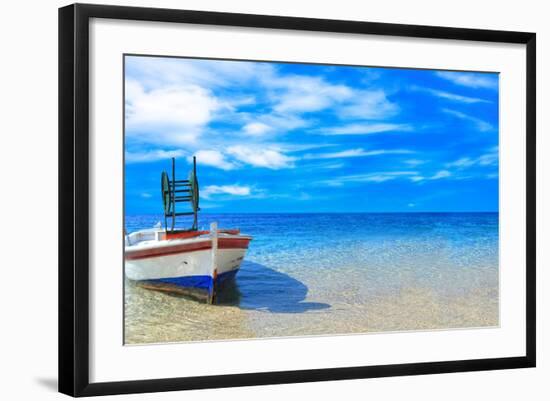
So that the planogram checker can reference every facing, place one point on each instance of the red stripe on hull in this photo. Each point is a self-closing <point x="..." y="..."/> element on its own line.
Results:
<point x="191" y="234"/>
<point x="223" y="243"/>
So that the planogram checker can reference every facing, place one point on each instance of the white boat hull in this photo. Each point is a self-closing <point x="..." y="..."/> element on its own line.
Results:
<point x="192" y="263"/>
<point x="197" y="263"/>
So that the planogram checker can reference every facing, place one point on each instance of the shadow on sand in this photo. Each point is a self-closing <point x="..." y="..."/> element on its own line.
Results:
<point x="258" y="287"/>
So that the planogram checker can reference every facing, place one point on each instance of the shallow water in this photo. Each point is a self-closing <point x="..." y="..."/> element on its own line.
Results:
<point x="310" y="274"/>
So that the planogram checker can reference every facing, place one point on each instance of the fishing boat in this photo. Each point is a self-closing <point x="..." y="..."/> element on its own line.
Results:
<point x="189" y="261"/>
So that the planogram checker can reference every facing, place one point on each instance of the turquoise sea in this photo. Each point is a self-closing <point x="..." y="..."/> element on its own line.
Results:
<point x="335" y="273"/>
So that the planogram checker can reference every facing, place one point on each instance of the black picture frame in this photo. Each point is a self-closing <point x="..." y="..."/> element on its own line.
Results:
<point x="74" y="198"/>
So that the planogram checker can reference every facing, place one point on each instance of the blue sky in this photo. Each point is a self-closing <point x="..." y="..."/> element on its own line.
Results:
<point x="276" y="137"/>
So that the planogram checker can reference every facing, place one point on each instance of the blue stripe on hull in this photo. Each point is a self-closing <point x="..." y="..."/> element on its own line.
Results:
<point x="199" y="282"/>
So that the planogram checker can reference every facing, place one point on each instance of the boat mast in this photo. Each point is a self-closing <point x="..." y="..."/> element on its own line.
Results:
<point x="214" y="262"/>
<point x="173" y="193"/>
<point x="195" y="182"/>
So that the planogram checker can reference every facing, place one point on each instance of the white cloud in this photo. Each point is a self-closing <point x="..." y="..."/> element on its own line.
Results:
<point x="233" y="190"/>
<point x="160" y="71"/>
<point x="453" y="96"/>
<point x="174" y="101"/>
<point x="260" y="126"/>
<point x="441" y="174"/>
<point x="365" y="129"/>
<point x="456" y="169"/>
<point x="151" y="155"/>
<point x="213" y="158"/>
<point x="359" y="152"/>
<point x="461" y="163"/>
<point x="178" y="105"/>
<point x="377" y="177"/>
<point x="480" y="124"/>
<point x="436" y="176"/>
<point x="382" y="177"/>
<point x="331" y="166"/>
<point x="294" y="94"/>
<point x="301" y="94"/>
<point x="256" y="129"/>
<point x="286" y="95"/>
<point x="470" y="79"/>
<point x="337" y="155"/>
<point x="315" y="167"/>
<point x="168" y="115"/>
<point x="487" y="159"/>
<point x="283" y="122"/>
<point x="366" y="104"/>
<point x="300" y="147"/>
<point x="260" y="157"/>
<point x="414" y="162"/>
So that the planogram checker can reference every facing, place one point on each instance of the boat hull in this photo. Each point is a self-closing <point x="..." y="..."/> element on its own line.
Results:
<point x="186" y="265"/>
<point x="188" y="268"/>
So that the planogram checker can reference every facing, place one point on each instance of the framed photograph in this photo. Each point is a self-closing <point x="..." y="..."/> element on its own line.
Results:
<point x="251" y="199"/>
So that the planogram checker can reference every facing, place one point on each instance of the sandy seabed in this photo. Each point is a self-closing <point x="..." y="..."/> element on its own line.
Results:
<point x="157" y="317"/>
